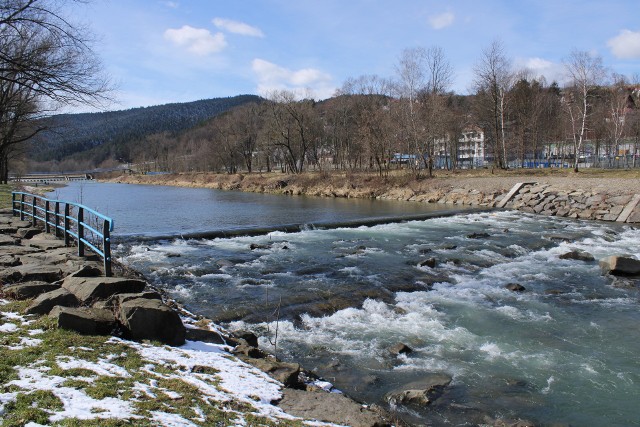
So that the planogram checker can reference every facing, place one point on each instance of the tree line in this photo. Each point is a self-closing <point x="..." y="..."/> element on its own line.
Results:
<point x="413" y="120"/>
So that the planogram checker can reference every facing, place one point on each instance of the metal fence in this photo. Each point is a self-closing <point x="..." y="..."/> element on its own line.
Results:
<point x="74" y="222"/>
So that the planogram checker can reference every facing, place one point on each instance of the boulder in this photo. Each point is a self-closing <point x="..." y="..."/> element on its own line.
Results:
<point x="45" y="244"/>
<point x="400" y="348"/>
<point x="20" y="224"/>
<point x="422" y="392"/>
<point x="244" y="349"/>
<point x="118" y="299"/>
<point x="89" y="321"/>
<point x="286" y="373"/>
<point x="205" y="335"/>
<point x="28" y="289"/>
<point x="9" y="261"/>
<point x="255" y="246"/>
<point x="31" y="272"/>
<point x="478" y="235"/>
<point x="89" y="289"/>
<point x="7" y="229"/>
<point x="329" y="407"/>
<point x="620" y="265"/>
<point x="7" y="240"/>
<point x="578" y="255"/>
<point x="515" y="287"/>
<point x="45" y="302"/>
<point x="151" y="319"/>
<point x="28" y="233"/>
<point x="248" y="336"/>
<point x="87" y="271"/>
<point x="430" y="262"/>
<point x="224" y="263"/>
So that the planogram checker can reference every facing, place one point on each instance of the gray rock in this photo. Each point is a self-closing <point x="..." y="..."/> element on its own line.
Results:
<point x="89" y="321"/>
<point x="7" y="240"/>
<point x="400" y="348"/>
<point x="28" y="289"/>
<point x="224" y="263"/>
<point x="422" y="392"/>
<point x="248" y="336"/>
<point x="118" y="299"/>
<point x="430" y="262"/>
<point x="578" y="255"/>
<point x="9" y="261"/>
<point x="86" y="270"/>
<point x="46" y="244"/>
<point x="515" y="287"/>
<point x="20" y="224"/>
<point x="204" y="335"/>
<point x="329" y="407"/>
<point x="7" y="229"/>
<point x="151" y="319"/>
<point x="286" y="373"/>
<point x="45" y="302"/>
<point x="89" y="289"/>
<point x="30" y="273"/>
<point x="19" y="250"/>
<point x="478" y="235"/>
<point x="250" y="351"/>
<point x="620" y="265"/>
<point x="28" y="233"/>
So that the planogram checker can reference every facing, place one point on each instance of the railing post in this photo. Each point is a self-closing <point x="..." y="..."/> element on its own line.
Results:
<point x="57" y="215"/>
<point x="80" y="231"/>
<point x="47" y="227"/>
<point x="66" y="224"/>
<point x="106" y="248"/>
<point x="13" y="204"/>
<point x="22" y="207"/>
<point x="33" y="211"/>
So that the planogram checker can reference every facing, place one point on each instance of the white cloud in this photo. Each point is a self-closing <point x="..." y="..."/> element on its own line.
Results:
<point x="626" y="45"/>
<point x="274" y="77"/>
<point x="171" y="4"/>
<point x="198" y="41"/>
<point x="441" y="21"/>
<point x="538" y="67"/>
<point x="237" y="27"/>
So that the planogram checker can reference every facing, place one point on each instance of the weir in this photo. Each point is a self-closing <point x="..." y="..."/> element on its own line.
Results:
<point x="296" y="227"/>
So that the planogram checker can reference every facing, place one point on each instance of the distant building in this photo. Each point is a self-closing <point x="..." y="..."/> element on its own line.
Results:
<point x="470" y="151"/>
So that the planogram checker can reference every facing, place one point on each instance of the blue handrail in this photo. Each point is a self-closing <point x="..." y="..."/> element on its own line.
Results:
<point x="70" y="222"/>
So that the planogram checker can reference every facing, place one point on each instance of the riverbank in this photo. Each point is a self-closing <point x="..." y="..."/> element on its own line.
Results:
<point x="593" y="194"/>
<point x="65" y="368"/>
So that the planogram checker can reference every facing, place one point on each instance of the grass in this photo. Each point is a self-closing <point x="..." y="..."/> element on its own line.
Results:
<point x="5" y="196"/>
<point x="169" y="392"/>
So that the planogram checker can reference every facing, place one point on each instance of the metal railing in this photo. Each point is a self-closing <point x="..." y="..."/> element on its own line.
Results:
<point x="71" y="221"/>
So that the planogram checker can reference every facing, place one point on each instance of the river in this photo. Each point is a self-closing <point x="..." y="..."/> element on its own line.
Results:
<point x="563" y="351"/>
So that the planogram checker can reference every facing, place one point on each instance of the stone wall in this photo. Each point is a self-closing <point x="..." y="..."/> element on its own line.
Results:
<point x="546" y="200"/>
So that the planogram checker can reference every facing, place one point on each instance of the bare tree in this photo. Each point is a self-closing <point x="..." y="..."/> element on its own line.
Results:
<point x="294" y="129"/>
<point x="585" y="73"/>
<point x="493" y="80"/>
<point x="45" y="62"/>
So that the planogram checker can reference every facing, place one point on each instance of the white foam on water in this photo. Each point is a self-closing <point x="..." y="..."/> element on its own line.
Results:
<point x="547" y="389"/>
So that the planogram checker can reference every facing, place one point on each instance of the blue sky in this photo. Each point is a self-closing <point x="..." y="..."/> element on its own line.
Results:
<point x="160" y="51"/>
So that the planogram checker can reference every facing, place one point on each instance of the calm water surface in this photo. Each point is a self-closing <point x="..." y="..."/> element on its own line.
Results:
<point x="564" y="351"/>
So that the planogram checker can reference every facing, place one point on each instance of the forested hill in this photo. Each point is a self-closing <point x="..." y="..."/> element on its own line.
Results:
<point x="98" y="136"/>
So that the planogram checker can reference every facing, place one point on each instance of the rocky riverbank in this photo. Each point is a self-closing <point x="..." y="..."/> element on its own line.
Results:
<point x="595" y="195"/>
<point x="52" y="287"/>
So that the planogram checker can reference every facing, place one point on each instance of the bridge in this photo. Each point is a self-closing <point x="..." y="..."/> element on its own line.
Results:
<point x="46" y="178"/>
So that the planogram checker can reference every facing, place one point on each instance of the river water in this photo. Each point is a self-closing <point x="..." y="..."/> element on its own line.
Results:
<point x="563" y="351"/>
